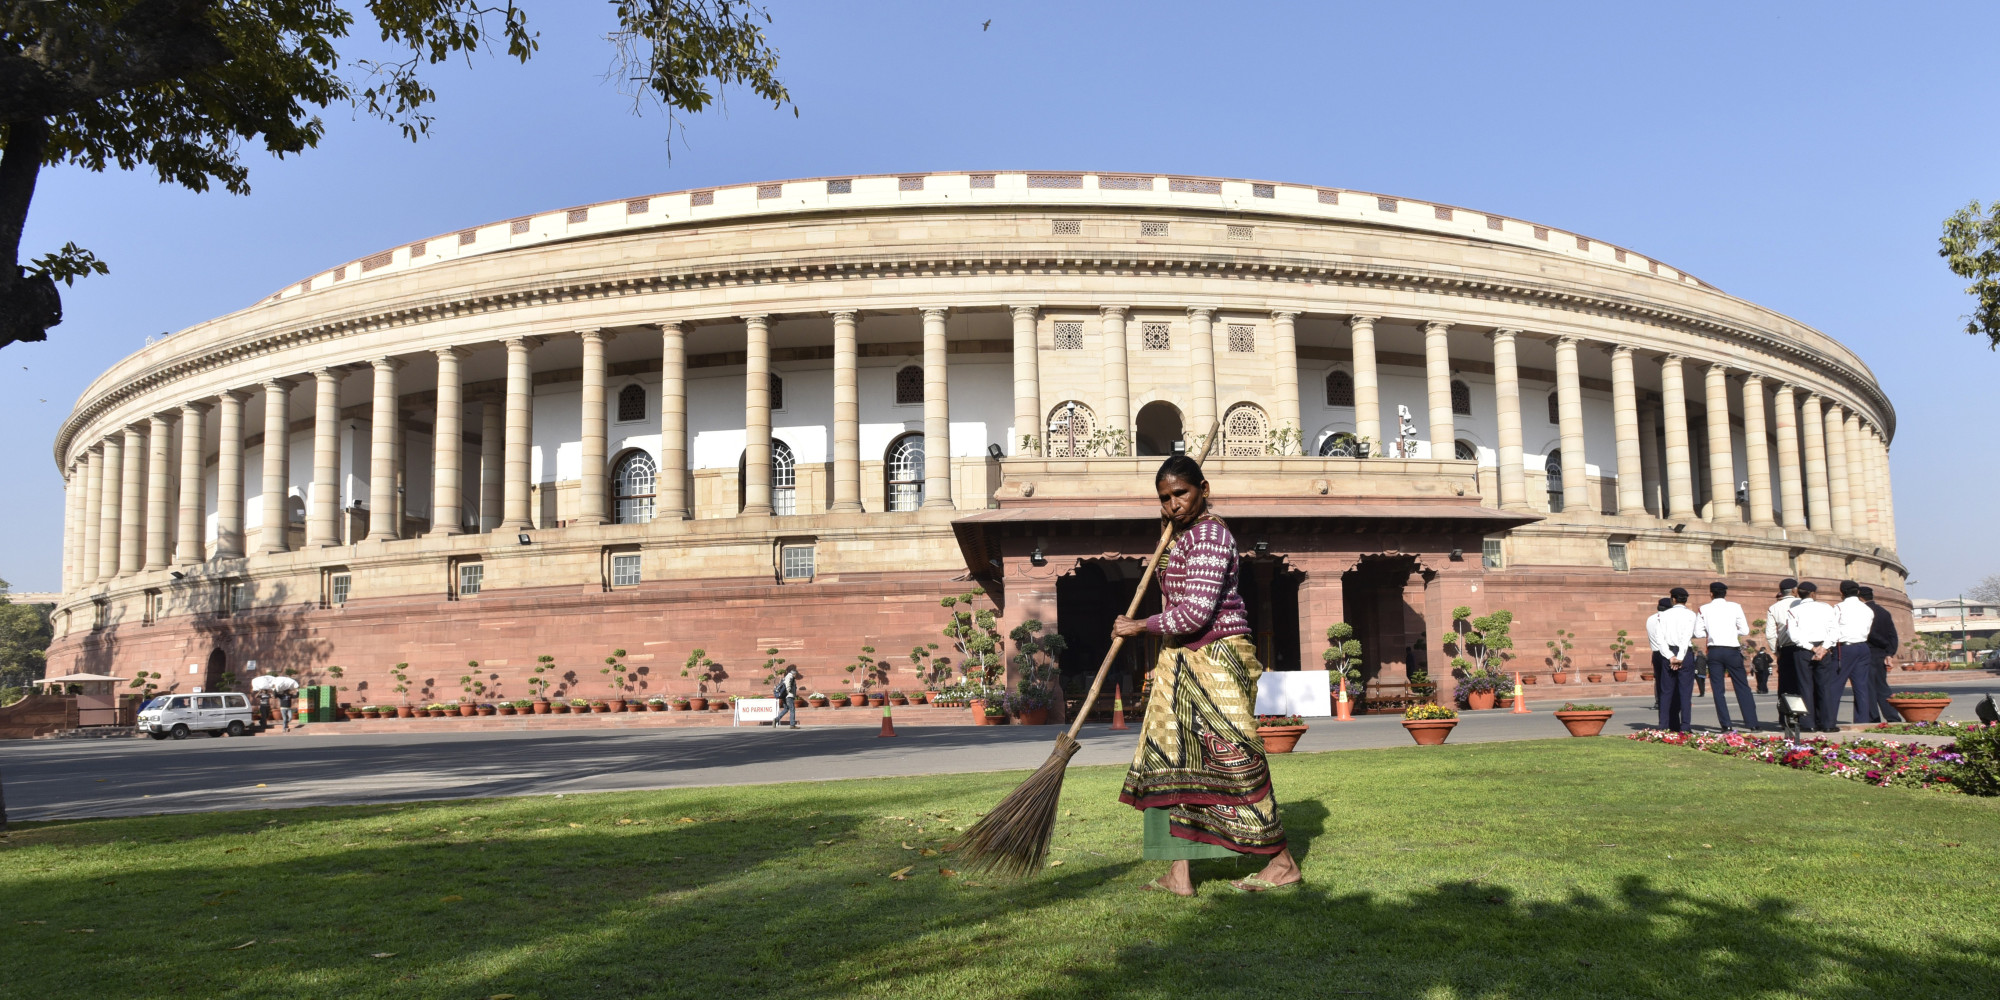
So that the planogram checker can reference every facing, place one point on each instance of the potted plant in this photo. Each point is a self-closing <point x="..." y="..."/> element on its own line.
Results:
<point x="1481" y="647"/>
<point x="472" y="688"/>
<point x="987" y="715"/>
<point x="623" y="678"/>
<point x="1280" y="733"/>
<point x="920" y="698"/>
<point x="540" y="684"/>
<point x="1594" y="678"/>
<point x="898" y="698"/>
<point x="1343" y="659"/>
<point x="1028" y="707"/>
<point x="1621" y="648"/>
<point x="487" y="708"/>
<point x="1920" y="706"/>
<point x="1558" y="658"/>
<point x="656" y="704"/>
<point x="1583" y="719"/>
<point x="402" y="676"/>
<point x="679" y="703"/>
<point x="1429" y="723"/>
<point x="705" y="672"/>
<point x="816" y="700"/>
<point x="600" y="706"/>
<point x="1481" y="690"/>
<point x="1421" y="684"/>
<point x="579" y="706"/>
<point x="523" y="706"/>
<point x="856" y="699"/>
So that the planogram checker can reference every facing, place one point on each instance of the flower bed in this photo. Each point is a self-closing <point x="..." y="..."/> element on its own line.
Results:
<point x="1952" y="729"/>
<point x="1968" y="766"/>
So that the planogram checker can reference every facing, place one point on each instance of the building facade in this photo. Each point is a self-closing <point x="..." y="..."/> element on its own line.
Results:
<point x="794" y="415"/>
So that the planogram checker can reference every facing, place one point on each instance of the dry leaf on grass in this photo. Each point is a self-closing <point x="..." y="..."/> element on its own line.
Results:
<point x="947" y="873"/>
<point x="823" y="843"/>
<point x="901" y="874"/>
<point x="383" y="954"/>
<point x="907" y="847"/>
<point x="244" y="945"/>
<point x="576" y="826"/>
<point x="685" y="819"/>
<point x="1052" y="864"/>
<point x="83" y="930"/>
<point x="926" y="853"/>
<point x="450" y="899"/>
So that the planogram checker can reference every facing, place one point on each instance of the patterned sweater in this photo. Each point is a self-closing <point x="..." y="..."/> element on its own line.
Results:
<point x="1198" y="587"/>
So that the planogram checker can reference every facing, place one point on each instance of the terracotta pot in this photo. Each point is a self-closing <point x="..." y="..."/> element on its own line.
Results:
<point x="720" y="705"/>
<point x="1559" y="677"/>
<point x="483" y="709"/>
<point x="857" y="700"/>
<point x="1033" y="717"/>
<point x="656" y="706"/>
<point x="878" y="700"/>
<point x="1645" y="675"/>
<point x="405" y="712"/>
<point x="1528" y="678"/>
<point x="899" y="700"/>
<point x="978" y="706"/>
<point x="1429" y="732"/>
<point x="1479" y="700"/>
<point x="1583" y="723"/>
<point x="698" y="704"/>
<point x="816" y="702"/>
<point x="1621" y="676"/>
<point x="1594" y="678"/>
<point x="560" y="708"/>
<point x="468" y="711"/>
<point x="1280" y="739"/>
<point x="1919" y="709"/>
<point x="618" y="706"/>
<point x="920" y="698"/>
<point x="985" y="718"/>
<point x="601" y="708"/>
<point x="541" y="706"/>
<point x="1504" y="701"/>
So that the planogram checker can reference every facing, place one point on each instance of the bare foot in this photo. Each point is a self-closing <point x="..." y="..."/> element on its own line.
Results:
<point x="1177" y="880"/>
<point x="1282" y="870"/>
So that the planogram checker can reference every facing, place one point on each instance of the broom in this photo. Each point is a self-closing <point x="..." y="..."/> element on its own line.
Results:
<point x="1013" y="839"/>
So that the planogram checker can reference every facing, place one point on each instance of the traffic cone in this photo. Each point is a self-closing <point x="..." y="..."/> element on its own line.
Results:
<point x="888" y="726"/>
<point x="1520" y="696"/>
<point x="1346" y="706"/>
<point x="1118" y="709"/>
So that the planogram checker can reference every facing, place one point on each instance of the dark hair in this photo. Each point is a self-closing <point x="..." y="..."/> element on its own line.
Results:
<point x="1718" y="588"/>
<point x="1848" y="588"/>
<point x="1665" y="603"/>
<point x="1679" y="594"/>
<point x="1868" y="593"/>
<point x="1808" y="587"/>
<point x="1180" y="467"/>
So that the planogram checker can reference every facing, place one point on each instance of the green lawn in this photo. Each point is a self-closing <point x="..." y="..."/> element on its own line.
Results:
<point x="1574" y="868"/>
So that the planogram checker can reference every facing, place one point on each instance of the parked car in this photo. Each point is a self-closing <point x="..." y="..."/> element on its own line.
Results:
<point x="177" y="715"/>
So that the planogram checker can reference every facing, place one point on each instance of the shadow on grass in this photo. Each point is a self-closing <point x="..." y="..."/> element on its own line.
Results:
<point x="757" y="905"/>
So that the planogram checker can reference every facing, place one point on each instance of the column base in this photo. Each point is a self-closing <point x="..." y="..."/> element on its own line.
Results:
<point x="940" y="504"/>
<point x="755" y="510"/>
<point x="442" y="533"/>
<point x="849" y="507"/>
<point x="588" y="521"/>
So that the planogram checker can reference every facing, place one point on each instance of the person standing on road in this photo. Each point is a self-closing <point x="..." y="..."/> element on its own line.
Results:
<point x="1653" y="643"/>
<point x="1852" y="622"/>
<point x="1723" y="622"/>
<point x="1882" y="645"/>
<point x="285" y="707"/>
<point x="1793" y="660"/>
<point x="1678" y="628"/>
<point x="787" y="693"/>
<point x="1761" y="664"/>
<point x="1813" y="629"/>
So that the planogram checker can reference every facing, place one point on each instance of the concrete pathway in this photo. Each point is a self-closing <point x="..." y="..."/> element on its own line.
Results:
<point x="67" y="779"/>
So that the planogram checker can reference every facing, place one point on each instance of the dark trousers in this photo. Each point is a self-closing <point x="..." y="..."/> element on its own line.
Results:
<point x="1763" y="677"/>
<point x="1827" y="683"/>
<point x="1795" y="677"/>
<point x="1676" y="693"/>
<point x="1884" y="712"/>
<point x="1730" y="659"/>
<point x="1857" y="667"/>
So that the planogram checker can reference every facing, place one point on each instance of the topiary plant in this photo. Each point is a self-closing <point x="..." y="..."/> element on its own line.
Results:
<point x="1343" y="657"/>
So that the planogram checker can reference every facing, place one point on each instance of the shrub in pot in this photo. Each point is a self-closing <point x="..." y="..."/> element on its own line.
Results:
<point x="600" y="707"/>
<point x="1029" y="707"/>
<point x="1280" y="733"/>
<point x="579" y="706"/>
<point x="681" y="704"/>
<point x="1583" y="719"/>
<point x="1480" y="689"/>
<point x="1429" y="724"/>
<point x="816" y="700"/>
<point x="486" y="709"/>
<point x="656" y="704"/>
<point x="990" y="715"/>
<point x="1594" y="678"/>
<point x="1920" y="706"/>
<point x="898" y="698"/>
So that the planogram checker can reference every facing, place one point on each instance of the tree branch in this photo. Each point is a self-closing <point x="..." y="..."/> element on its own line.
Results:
<point x="72" y="61"/>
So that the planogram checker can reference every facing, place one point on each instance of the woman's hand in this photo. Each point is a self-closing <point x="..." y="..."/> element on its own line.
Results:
<point x="1127" y="628"/>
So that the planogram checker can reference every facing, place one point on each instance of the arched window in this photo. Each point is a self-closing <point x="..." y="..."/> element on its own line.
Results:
<point x="1244" y="432"/>
<point x="777" y="391"/>
<point x="631" y="403"/>
<point x="1465" y="451"/>
<point x="1339" y="388"/>
<point x="1070" y="426"/>
<point x="633" y="486"/>
<point x="1340" y="445"/>
<point x="909" y="385"/>
<point x="1461" y="398"/>
<point x="1553" y="469"/>
<point x="903" y="468"/>
<point x="1555" y="409"/>
<point x="784" y="478"/>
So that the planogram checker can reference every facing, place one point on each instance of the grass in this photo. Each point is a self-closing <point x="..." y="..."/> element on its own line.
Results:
<point x="1575" y="868"/>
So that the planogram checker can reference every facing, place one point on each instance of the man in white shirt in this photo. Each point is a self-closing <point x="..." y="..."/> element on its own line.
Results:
<point x="1672" y="633"/>
<point x="1812" y="631"/>
<point x="1723" y="622"/>
<point x="1659" y="668"/>
<point x="1793" y="661"/>
<point x="1851" y="622"/>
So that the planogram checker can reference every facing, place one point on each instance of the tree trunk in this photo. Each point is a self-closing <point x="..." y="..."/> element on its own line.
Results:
<point x="29" y="304"/>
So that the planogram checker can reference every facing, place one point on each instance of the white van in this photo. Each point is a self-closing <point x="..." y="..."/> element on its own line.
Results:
<point x="177" y="715"/>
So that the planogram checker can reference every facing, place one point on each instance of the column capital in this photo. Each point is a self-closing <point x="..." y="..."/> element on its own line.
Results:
<point x="672" y="325"/>
<point x="1565" y="340"/>
<point x="330" y="373"/>
<point x="1110" y="311"/>
<point x="1362" y="319"/>
<point x="187" y="410"/>
<point x="1019" y="312"/>
<point x="596" y="333"/>
<point x="524" y="342"/>
<point x="758" y="319"/>
<point x="233" y="395"/>
<point x="1717" y="366"/>
<point x="158" y="421"/>
<point x="1618" y="349"/>
<point x="1505" y="332"/>
<point x="389" y="364"/>
<point x="277" y="385"/>
<point x="451" y="352"/>
<point x="1436" y="326"/>
<point x="935" y="313"/>
<point x="1201" y="312"/>
<point x="1672" y="359"/>
<point x="134" y="429"/>
<point x="1285" y="314"/>
<point x="844" y="315"/>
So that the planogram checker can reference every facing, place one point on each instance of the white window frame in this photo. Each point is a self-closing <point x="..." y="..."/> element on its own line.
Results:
<point x="1619" y="552"/>
<point x="458" y="575"/>
<point x="786" y="549"/>
<point x="1492" y="554"/>
<point x="622" y="561"/>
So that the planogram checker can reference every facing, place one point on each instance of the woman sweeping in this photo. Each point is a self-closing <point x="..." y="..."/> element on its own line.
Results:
<point x="1200" y="774"/>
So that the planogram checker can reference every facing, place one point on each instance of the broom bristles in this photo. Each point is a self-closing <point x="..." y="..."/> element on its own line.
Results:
<point x="1013" y="839"/>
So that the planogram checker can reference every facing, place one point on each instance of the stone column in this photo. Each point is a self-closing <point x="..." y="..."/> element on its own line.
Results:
<point x="1857" y="476"/>
<point x="492" y="460"/>
<point x="847" y="416"/>
<point x="1651" y="462"/>
<point x="1027" y="386"/>
<point x="72" y="499"/>
<point x="1819" y="495"/>
<point x="189" y="545"/>
<point x="1367" y="402"/>
<point x="323" y="503"/>
<point x="1837" y="485"/>
<point x="159" y="522"/>
<point x="672" y="484"/>
<point x="937" y="413"/>
<point x="592" y="491"/>
<point x="1569" y="408"/>
<point x="1888" y="492"/>
<point x="1437" y="371"/>
<point x="1680" y="464"/>
<point x="1864" y="445"/>
<point x="229" y="475"/>
<point x="1507" y="407"/>
<point x="1625" y="430"/>
<point x="1757" y="452"/>
<point x="1201" y="329"/>
<point x="382" y="526"/>
<point x="1285" y="337"/>
<point x="108" y="520"/>
<point x="448" y="442"/>
<point x="93" y="515"/>
<point x="132" y="504"/>
<point x="517" y="513"/>
<point x="274" y="535"/>
<point x="1117" y="375"/>
<point x="1721" y="453"/>
<point x="1791" y="481"/>
<point x="757" y="417"/>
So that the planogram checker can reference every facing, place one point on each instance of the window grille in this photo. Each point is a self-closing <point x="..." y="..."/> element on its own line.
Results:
<point x="909" y="385"/>
<point x="909" y="183"/>
<point x="468" y="237"/>
<point x="1582" y="243"/>
<point x="1263" y="191"/>
<point x="769" y="191"/>
<point x="1055" y="180"/>
<point x="1490" y="555"/>
<point x="1069" y="336"/>
<point x="579" y="215"/>
<point x="982" y="180"/>
<point x="784" y="480"/>
<point x="795" y="562"/>
<point x="1495" y="222"/>
<point x="1718" y="556"/>
<point x="1241" y="232"/>
<point x="1440" y="213"/>
<point x="905" y="471"/>
<point x="419" y="249"/>
<point x="1124" y="183"/>
<point x="777" y="390"/>
<point x="1242" y="338"/>
<point x="1339" y="388"/>
<point x="1553" y="470"/>
<point x="1155" y="336"/>
<point x="1385" y="204"/>
<point x="700" y="198"/>
<point x="1152" y="229"/>
<point x="1341" y="445"/>
<point x="470" y="576"/>
<point x="1193" y="185"/>
<point x="517" y="227"/>
<point x="371" y="263"/>
<point x="1327" y="197"/>
<point x="1461" y="398"/>
<point x="633" y="489"/>
<point x="100" y="614"/>
<point x="1071" y="425"/>
<point x="1555" y="408"/>
<point x="625" y="569"/>
<point x="1243" y="432"/>
<point x="840" y="187"/>
<point x="631" y="403"/>
<point x="1617" y="552"/>
<point x="1541" y="232"/>
<point x="638" y="206"/>
<point x="338" y="586"/>
<point x="1464" y="451"/>
<point x="1066" y="227"/>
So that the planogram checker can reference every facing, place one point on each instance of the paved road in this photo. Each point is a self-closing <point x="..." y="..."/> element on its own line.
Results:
<point x="65" y="779"/>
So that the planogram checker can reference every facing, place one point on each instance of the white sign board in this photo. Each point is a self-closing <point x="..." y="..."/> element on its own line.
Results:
<point x="756" y="710"/>
<point x="1307" y="693"/>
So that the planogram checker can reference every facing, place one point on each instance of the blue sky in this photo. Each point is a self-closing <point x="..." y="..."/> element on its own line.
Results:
<point x="1801" y="157"/>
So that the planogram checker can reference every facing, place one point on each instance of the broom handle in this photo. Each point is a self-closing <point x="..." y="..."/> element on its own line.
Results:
<point x="1145" y="579"/>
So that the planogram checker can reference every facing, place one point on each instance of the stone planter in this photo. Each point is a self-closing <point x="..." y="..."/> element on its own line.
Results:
<point x="1919" y="709"/>
<point x="1583" y="723"/>
<point x="1479" y="700"/>
<point x="1280" y="739"/>
<point x="1033" y="717"/>
<point x="1429" y="732"/>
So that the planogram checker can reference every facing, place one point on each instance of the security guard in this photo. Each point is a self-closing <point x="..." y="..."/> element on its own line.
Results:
<point x="1723" y="622"/>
